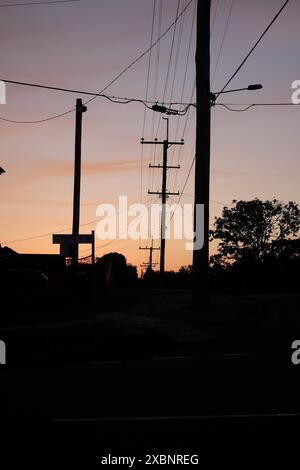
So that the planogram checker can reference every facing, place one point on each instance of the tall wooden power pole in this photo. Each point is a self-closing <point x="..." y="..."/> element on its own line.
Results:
<point x="202" y="161"/>
<point x="150" y="264"/>
<point x="163" y="193"/>
<point x="80" y="109"/>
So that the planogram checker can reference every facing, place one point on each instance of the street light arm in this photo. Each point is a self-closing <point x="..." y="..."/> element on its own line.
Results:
<point x="256" y="86"/>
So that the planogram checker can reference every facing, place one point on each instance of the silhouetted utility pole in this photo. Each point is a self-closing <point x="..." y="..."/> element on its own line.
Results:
<point x="202" y="160"/>
<point x="150" y="248"/>
<point x="163" y="193"/>
<point x="93" y="283"/>
<point x="80" y="109"/>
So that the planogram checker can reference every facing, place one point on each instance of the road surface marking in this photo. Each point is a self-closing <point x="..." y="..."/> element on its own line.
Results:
<point x="169" y="358"/>
<point x="104" y="363"/>
<point x="239" y="354"/>
<point x="176" y="418"/>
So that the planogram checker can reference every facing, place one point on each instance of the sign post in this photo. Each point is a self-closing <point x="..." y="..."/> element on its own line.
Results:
<point x="69" y="243"/>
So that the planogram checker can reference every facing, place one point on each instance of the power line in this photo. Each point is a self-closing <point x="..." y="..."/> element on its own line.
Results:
<point x="145" y="52"/>
<point x="43" y="235"/>
<point x="149" y="63"/>
<point x="184" y="83"/>
<point x="118" y="239"/>
<point x="92" y="221"/>
<point x="147" y="91"/>
<point x="236" y="110"/>
<point x="222" y="42"/>
<point x="96" y="95"/>
<point x="114" y="99"/>
<point x="182" y="193"/>
<point x="188" y="56"/>
<point x="211" y="200"/>
<point x="145" y="109"/>
<point x="39" y="121"/>
<point x="50" y="2"/>
<point x="184" y="186"/>
<point x="186" y="126"/>
<point x="171" y="51"/>
<point x="187" y="178"/>
<point x="156" y="74"/>
<point x="215" y="16"/>
<point x="169" y="65"/>
<point x="179" y="40"/>
<point x="167" y="74"/>
<point x="248" y="106"/>
<point x="254" y="47"/>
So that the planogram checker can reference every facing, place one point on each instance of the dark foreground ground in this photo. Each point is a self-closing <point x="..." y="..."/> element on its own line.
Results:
<point x="122" y="323"/>
<point x="241" y="391"/>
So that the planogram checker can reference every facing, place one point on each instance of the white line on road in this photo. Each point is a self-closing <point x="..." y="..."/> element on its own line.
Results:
<point x="176" y="418"/>
<point x="169" y="358"/>
<point x="239" y="354"/>
<point x="105" y="363"/>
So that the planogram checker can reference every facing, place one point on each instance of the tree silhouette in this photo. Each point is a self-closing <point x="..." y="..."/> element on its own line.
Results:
<point x="253" y="231"/>
<point x="114" y="265"/>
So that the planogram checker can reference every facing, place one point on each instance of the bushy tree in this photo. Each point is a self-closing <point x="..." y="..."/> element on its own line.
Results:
<point x="185" y="270"/>
<point x="113" y="268"/>
<point x="253" y="231"/>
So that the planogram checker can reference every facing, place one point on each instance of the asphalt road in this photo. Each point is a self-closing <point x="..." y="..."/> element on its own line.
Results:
<point x="239" y="392"/>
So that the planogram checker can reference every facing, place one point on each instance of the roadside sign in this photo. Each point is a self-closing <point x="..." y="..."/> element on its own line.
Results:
<point x="69" y="239"/>
<point x="66" y="250"/>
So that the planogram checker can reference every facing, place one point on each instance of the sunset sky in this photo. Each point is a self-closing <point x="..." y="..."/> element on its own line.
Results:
<point x="83" y="45"/>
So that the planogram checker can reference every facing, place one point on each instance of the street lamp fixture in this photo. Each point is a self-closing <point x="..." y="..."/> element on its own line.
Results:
<point x="255" y="86"/>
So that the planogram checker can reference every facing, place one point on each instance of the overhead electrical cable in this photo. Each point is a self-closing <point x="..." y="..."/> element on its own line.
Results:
<point x="119" y="75"/>
<point x="253" y="47"/>
<point x="222" y="42"/>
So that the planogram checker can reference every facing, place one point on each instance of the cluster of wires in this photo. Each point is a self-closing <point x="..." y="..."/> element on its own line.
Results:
<point x="160" y="85"/>
<point x="165" y="77"/>
<point x="226" y="106"/>
<point x="113" y="99"/>
<point x="156" y="74"/>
